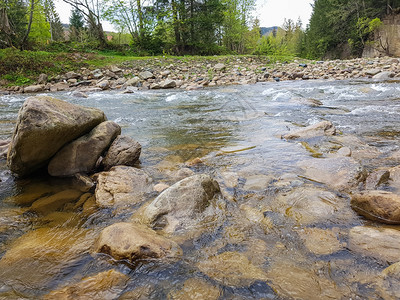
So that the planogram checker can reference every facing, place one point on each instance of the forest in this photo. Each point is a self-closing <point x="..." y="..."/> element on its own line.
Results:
<point x="189" y="27"/>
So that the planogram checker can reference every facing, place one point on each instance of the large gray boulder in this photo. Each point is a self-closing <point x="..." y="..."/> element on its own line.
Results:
<point x="132" y="242"/>
<point x="123" y="151"/>
<point x="181" y="204"/>
<point x="81" y="155"/>
<point x="44" y="125"/>
<point x="122" y="185"/>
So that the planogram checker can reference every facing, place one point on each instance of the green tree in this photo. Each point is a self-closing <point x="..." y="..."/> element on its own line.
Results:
<point x="76" y="25"/>
<point x="13" y="22"/>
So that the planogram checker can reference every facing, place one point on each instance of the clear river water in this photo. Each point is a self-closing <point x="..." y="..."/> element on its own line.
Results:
<point x="236" y="132"/>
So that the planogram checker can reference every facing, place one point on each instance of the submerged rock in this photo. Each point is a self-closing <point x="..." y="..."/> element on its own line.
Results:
<point x="44" y="125"/>
<point x="377" y="205"/>
<point x="232" y="269"/>
<point x="123" y="151"/>
<point x="389" y="282"/>
<point x="320" y="241"/>
<point x="122" y="186"/>
<point x="54" y="202"/>
<point x="181" y="204"/>
<point x="196" y="289"/>
<point x="36" y="258"/>
<point x="132" y="242"/>
<point x="321" y="128"/>
<point x="292" y="281"/>
<point x="81" y="155"/>
<point x="309" y="205"/>
<point x="380" y="243"/>
<point x="105" y="285"/>
<point x="340" y="173"/>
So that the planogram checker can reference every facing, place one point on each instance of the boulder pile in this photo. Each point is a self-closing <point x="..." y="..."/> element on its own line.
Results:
<point x="66" y="138"/>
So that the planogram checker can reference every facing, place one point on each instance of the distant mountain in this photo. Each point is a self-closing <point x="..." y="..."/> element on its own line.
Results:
<point x="267" y="30"/>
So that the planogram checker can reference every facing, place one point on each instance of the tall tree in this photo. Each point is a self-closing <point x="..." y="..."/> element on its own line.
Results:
<point x="52" y="17"/>
<point x="76" y="24"/>
<point x="91" y="9"/>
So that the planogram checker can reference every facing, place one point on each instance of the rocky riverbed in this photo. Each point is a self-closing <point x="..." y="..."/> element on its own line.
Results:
<point x="274" y="190"/>
<point x="189" y="74"/>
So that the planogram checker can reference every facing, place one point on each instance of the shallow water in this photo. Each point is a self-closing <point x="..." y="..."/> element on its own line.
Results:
<point x="236" y="131"/>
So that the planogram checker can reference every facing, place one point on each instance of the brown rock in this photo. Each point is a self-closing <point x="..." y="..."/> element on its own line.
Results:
<point x="122" y="186"/>
<point x="377" y="205"/>
<point x="232" y="269"/>
<point x="132" y="242"/>
<point x="123" y="151"/>
<point x="105" y="285"/>
<point x="53" y="202"/>
<point x="320" y="241"/>
<point x="380" y="243"/>
<point x="196" y="289"/>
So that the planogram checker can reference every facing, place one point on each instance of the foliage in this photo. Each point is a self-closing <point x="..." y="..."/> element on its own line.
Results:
<point x="337" y="23"/>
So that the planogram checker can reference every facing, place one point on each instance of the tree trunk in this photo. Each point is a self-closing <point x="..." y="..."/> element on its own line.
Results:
<point x="28" y="30"/>
<point x="176" y="26"/>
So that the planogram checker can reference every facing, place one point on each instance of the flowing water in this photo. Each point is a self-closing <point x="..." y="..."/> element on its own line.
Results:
<point x="236" y="131"/>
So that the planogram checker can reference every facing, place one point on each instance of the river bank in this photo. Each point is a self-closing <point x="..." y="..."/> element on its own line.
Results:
<point x="191" y="74"/>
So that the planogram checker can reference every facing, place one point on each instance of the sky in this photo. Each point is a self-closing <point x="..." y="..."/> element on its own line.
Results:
<point x="269" y="12"/>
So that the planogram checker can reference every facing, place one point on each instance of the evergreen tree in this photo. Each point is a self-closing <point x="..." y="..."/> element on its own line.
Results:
<point x="76" y="24"/>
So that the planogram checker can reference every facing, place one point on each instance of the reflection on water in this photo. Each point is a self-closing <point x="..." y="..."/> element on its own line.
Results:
<point x="278" y="235"/>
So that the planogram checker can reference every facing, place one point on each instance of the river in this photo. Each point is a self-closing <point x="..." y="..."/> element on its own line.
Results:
<point x="236" y="132"/>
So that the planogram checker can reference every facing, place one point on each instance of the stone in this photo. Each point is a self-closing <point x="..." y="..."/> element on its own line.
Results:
<point x="257" y="182"/>
<point x="168" y="84"/>
<point x="291" y="281"/>
<point x="372" y="72"/>
<point x="59" y="86"/>
<point x="320" y="241"/>
<point x="54" y="202"/>
<point x="44" y="125"/>
<point x="115" y="69"/>
<point x="133" y="241"/>
<point x="309" y="205"/>
<point x="123" y="151"/>
<point x="160" y="187"/>
<point x="230" y="179"/>
<point x="155" y="86"/>
<point x="122" y="185"/>
<point x="105" y="285"/>
<point x="219" y="67"/>
<point x="103" y="84"/>
<point x="132" y="82"/>
<point x="394" y="179"/>
<point x="389" y="282"/>
<point x="79" y="94"/>
<point x="384" y="75"/>
<point x="377" y="178"/>
<point x="81" y="155"/>
<point x="378" y="206"/>
<point x="181" y="204"/>
<point x="29" y="263"/>
<point x="145" y="75"/>
<point x="344" y="151"/>
<point x="34" y="88"/>
<point x="42" y="79"/>
<point x="196" y="289"/>
<point x="72" y="75"/>
<point x="340" y="173"/>
<point x="232" y="269"/>
<point x="318" y="129"/>
<point x="380" y="243"/>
